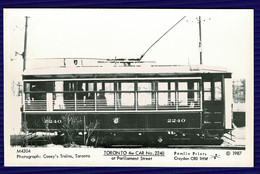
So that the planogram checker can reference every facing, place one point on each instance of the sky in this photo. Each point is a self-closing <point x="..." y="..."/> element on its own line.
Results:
<point x="227" y="37"/>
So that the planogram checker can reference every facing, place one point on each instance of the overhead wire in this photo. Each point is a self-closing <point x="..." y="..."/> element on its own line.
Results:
<point x="161" y="37"/>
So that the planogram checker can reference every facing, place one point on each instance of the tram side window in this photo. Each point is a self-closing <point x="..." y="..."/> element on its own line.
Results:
<point x="84" y="88"/>
<point x="188" y="94"/>
<point x="105" y="96"/>
<point x="127" y="86"/>
<point x="36" y="95"/>
<point x="127" y="99"/>
<point x="165" y="97"/>
<point x="90" y="102"/>
<point x="172" y="85"/>
<point x="84" y="97"/>
<point x="172" y="94"/>
<point x="109" y="93"/>
<point x="81" y="88"/>
<point x="69" y="88"/>
<point x="109" y="86"/>
<point x="144" y="86"/>
<point x="183" y="99"/>
<point x="193" y="96"/>
<point x="37" y="90"/>
<point x="58" y="95"/>
<point x="218" y="91"/>
<point x="39" y="86"/>
<point x="196" y="85"/>
<point x="99" y="86"/>
<point x="162" y="86"/>
<point x="90" y="86"/>
<point x="126" y="96"/>
<point x="207" y="91"/>
<point x="144" y="97"/>
<point x="182" y="86"/>
<point x="183" y="96"/>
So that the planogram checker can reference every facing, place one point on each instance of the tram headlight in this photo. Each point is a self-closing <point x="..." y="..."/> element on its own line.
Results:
<point x="116" y="120"/>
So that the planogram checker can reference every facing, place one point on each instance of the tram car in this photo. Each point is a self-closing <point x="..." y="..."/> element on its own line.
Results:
<point x="129" y="101"/>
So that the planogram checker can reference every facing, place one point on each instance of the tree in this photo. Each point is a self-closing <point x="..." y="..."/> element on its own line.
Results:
<point x="90" y="128"/>
<point x="71" y="125"/>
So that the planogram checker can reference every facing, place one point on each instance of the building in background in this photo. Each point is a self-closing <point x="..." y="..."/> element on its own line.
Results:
<point x="239" y="100"/>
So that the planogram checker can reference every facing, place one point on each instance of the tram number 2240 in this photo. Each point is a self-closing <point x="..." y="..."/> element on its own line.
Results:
<point x="176" y="120"/>
<point x="52" y="121"/>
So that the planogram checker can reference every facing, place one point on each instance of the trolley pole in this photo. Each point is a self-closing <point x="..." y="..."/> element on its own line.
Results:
<point x="25" y="43"/>
<point x="200" y="41"/>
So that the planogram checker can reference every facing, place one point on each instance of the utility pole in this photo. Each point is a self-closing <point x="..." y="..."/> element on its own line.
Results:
<point x="200" y="41"/>
<point x="25" y="43"/>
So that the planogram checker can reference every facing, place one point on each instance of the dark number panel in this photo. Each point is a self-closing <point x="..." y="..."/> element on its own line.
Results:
<point x="122" y="122"/>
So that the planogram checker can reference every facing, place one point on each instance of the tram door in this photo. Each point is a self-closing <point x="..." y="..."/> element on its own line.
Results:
<point x="213" y="103"/>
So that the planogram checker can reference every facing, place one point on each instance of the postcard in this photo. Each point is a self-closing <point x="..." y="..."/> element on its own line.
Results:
<point x="128" y="87"/>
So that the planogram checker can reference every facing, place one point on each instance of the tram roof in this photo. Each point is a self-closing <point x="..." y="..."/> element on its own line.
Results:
<point x="142" y="69"/>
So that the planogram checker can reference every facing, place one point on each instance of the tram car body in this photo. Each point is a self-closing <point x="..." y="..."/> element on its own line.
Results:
<point x="130" y="100"/>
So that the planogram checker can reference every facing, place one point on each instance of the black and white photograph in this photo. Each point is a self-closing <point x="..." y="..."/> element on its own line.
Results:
<point x="128" y="87"/>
